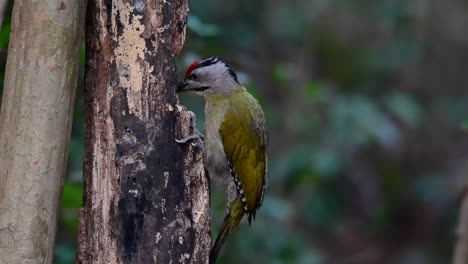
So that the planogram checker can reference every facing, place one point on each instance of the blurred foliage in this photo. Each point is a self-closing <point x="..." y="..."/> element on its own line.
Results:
<point x="367" y="107"/>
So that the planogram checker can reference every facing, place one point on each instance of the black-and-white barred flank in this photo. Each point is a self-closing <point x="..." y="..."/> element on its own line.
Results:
<point x="240" y="190"/>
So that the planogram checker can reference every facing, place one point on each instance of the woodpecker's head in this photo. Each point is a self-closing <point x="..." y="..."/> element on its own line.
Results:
<point x="210" y="76"/>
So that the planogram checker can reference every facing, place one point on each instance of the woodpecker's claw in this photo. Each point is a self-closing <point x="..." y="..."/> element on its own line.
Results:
<point x="196" y="140"/>
<point x="197" y="135"/>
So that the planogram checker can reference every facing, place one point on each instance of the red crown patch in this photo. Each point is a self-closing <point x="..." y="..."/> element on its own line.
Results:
<point x="191" y="67"/>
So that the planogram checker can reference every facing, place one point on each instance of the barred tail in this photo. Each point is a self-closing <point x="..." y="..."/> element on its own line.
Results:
<point x="230" y="222"/>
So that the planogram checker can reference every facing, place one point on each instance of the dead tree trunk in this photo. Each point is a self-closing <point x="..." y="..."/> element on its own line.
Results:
<point x="146" y="197"/>
<point x="35" y="124"/>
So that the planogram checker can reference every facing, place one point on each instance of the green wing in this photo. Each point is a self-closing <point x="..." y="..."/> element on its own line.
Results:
<point x="244" y="139"/>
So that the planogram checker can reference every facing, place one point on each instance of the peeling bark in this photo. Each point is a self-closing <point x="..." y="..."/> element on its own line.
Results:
<point x="146" y="197"/>
<point x="35" y="125"/>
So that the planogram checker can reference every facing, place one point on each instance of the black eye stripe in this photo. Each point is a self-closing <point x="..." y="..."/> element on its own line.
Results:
<point x="201" y="89"/>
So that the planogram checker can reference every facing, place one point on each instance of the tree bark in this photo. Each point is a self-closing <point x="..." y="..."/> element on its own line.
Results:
<point x="146" y="197"/>
<point x="35" y="125"/>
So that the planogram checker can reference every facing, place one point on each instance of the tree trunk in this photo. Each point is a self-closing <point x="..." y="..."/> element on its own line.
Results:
<point x="461" y="246"/>
<point x="146" y="197"/>
<point x="3" y="8"/>
<point x="35" y="123"/>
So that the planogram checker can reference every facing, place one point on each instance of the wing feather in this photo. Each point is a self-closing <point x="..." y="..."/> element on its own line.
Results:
<point x="244" y="139"/>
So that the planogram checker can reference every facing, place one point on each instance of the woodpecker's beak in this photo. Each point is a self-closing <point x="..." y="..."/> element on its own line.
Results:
<point x="181" y="86"/>
<point x="184" y="86"/>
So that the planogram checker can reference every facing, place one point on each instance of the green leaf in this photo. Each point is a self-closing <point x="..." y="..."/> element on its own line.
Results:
<point x="72" y="196"/>
<point x="5" y="36"/>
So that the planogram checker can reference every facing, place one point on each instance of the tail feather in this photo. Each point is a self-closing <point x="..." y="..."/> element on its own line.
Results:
<point x="230" y="222"/>
<point x="223" y="234"/>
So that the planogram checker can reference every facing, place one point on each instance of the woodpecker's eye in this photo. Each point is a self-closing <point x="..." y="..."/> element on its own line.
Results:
<point x="193" y="76"/>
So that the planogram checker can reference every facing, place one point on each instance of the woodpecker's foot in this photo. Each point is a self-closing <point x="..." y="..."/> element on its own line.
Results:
<point x="196" y="136"/>
<point x="196" y="140"/>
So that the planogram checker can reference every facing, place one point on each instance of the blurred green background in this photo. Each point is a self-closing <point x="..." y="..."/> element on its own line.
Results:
<point x="367" y="104"/>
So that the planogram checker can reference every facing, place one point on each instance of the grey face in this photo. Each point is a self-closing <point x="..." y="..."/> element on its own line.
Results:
<point x="210" y="76"/>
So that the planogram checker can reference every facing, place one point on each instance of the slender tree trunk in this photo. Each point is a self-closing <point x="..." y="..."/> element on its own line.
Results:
<point x="35" y="123"/>
<point x="3" y="9"/>
<point x="146" y="197"/>
<point x="461" y="246"/>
